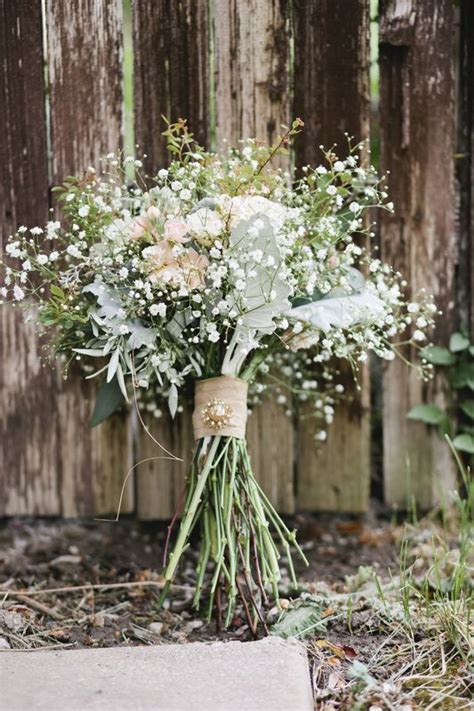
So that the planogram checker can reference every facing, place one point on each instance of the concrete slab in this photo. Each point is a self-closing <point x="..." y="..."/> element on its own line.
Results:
<point x="268" y="675"/>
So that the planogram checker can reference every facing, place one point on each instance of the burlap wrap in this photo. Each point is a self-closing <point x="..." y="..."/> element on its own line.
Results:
<point x="233" y="393"/>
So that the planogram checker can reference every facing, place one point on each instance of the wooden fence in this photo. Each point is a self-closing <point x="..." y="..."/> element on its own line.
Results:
<point x="237" y="68"/>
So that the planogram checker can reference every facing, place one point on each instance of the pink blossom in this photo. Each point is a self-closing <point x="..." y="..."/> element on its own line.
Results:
<point x="146" y="223"/>
<point x="193" y="266"/>
<point x="175" y="230"/>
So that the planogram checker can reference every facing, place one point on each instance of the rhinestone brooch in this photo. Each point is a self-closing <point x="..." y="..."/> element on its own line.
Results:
<point x="217" y="414"/>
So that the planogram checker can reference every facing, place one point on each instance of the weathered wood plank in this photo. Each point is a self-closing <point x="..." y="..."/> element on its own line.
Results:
<point x="331" y="95"/>
<point x="171" y="72"/>
<point x="28" y="435"/>
<point x="252" y="68"/>
<point x="84" y="53"/>
<point x="171" y="61"/>
<point x="161" y="481"/>
<point x="417" y="63"/>
<point x="465" y="168"/>
<point x="252" y="89"/>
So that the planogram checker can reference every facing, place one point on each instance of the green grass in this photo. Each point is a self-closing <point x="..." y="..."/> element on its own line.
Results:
<point x="413" y="631"/>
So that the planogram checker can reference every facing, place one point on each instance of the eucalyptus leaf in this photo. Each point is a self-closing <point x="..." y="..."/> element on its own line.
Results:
<point x="438" y="355"/>
<point x="458" y="342"/>
<point x="173" y="400"/>
<point x="94" y="352"/>
<point x="109" y="398"/>
<point x="429" y="414"/>
<point x="113" y="363"/>
<point x="464" y="443"/>
<point x="121" y="381"/>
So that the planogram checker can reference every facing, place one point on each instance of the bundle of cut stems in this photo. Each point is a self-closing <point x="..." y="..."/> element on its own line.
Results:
<point x="238" y="528"/>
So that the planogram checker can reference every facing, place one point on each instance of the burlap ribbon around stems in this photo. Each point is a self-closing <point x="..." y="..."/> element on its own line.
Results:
<point x="220" y="407"/>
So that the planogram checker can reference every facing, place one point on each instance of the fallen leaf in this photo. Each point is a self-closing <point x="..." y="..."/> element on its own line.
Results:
<point x="336" y="681"/>
<point x="349" y="528"/>
<point x="342" y="651"/>
<point x="349" y="651"/>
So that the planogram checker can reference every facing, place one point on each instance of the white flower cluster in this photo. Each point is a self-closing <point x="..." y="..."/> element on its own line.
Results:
<point x="219" y="266"/>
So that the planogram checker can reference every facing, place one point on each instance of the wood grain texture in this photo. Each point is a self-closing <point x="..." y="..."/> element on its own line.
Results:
<point x="331" y="95"/>
<point x="161" y="481"/>
<point x="251" y="68"/>
<point x="29" y="482"/>
<point x="171" y="63"/>
<point x="252" y="90"/>
<point x="417" y="62"/>
<point x="84" y="55"/>
<point x="465" y="168"/>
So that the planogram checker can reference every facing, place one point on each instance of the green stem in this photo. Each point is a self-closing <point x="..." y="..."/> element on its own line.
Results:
<point x="188" y="519"/>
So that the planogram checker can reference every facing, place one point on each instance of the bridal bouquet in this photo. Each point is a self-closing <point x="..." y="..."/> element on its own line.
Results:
<point x="219" y="277"/>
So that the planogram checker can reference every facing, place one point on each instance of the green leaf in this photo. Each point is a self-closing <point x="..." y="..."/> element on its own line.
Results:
<point x="444" y="426"/>
<point x="464" y="443"/>
<point x="438" y="355"/>
<point x="300" y="620"/>
<point x="458" y="342"/>
<point x="463" y="376"/>
<point x="109" y="398"/>
<point x="467" y="406"/>
<point x="56" y="291"/>
<point x="430" y="414"/>
<point x="471" y="350"/>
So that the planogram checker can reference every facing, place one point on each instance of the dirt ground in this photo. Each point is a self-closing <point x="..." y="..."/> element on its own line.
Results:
<point x="383" y="610"/>
<point x="40" y="555"/>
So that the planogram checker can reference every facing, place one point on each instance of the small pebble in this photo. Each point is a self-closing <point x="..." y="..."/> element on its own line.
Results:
<point x="4" y="643"/>
<point x="194" y="625"/>
<point x="155" y="627"/>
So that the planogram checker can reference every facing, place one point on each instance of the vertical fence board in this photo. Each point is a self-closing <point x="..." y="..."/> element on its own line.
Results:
<point x="252" y="101"/>
<point x="171" y="65"/>
<point x="171" y="62"/>
<point x="417" y="62"/>
<point x="84" y="56"/>
<point x="331" y="95"/>
<point x="28" y="451"/>
<point x="465" y="168"/>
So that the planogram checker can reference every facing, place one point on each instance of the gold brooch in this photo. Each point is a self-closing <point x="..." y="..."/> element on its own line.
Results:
<point x="216" y="414"/>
